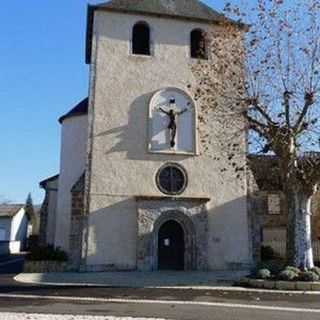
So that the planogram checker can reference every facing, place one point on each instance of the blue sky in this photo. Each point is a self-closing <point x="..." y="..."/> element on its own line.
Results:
<point x="42" y="75"/>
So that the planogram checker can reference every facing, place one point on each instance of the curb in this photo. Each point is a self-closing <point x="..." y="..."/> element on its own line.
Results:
<point x="234" y="289"/>
<point x="277" y="285"/>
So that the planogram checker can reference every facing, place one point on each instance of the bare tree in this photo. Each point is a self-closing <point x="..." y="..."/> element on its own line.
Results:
<point x="268" y="71"/>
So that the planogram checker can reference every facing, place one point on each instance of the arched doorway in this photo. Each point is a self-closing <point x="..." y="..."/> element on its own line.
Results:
<point x="171" y="246"/>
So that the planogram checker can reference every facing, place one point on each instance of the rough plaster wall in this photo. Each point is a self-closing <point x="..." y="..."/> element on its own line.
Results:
<point x="121" y="166"/>
<point x="72" y="164"/>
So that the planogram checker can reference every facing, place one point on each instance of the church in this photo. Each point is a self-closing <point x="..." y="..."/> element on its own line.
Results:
<point x="136" y="188"/>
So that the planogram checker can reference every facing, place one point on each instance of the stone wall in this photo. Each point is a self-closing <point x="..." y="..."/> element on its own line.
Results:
<point x="77" y="220"/>
<point x="263" y="182"/>
<point x="48" y="211"/>
<point x="44" y="220"/>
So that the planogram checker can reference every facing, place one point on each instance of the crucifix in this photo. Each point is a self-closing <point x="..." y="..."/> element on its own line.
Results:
<point x="172" y="113"/>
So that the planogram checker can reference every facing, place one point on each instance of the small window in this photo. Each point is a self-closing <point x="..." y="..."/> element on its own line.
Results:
<point x="198" y="44"/>
<point x="172" y="179"/>
<point x="141" y="39"/>
<point x="274" y="203"/>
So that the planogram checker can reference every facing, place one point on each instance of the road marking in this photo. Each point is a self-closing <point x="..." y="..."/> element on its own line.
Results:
<point x="37" y="316"/>
<point x="10" y="262"/>
<point x="163" y="302"/>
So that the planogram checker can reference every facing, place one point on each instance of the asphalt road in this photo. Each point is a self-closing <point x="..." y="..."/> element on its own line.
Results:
<point x="160" y="303"/>
<point x="11" y="264"/>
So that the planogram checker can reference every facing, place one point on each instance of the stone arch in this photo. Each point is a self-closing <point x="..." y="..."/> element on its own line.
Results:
<point x="190" y="255"/>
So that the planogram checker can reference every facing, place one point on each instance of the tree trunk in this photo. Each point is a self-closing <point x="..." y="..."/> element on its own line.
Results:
<point x="299" y="240"/>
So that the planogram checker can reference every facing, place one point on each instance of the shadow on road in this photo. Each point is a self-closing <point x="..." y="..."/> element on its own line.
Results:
<point x="12" y="264"/>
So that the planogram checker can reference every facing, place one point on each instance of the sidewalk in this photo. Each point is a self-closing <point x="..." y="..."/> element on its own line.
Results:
<point x="209" y="281"/>
<point x="135" y="279"/>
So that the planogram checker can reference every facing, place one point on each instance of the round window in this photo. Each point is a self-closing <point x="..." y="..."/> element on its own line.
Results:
<point x="172" y="179"/>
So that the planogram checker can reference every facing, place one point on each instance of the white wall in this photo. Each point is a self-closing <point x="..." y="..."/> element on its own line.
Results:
<point x="72" y="165"/>
<point x="16" y="229"/>
<point x="19" y="227"/>
<point x="121" y="165"/>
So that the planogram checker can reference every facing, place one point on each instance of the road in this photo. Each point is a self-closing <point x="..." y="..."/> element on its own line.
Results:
<point x="147" y="303"/>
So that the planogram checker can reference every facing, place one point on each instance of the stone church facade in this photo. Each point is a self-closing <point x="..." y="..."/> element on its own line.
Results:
<point x="137" y="190"/>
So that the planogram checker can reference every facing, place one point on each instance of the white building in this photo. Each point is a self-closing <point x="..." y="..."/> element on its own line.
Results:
<point x="14" y="223"/>
<point x="136" y="190"/>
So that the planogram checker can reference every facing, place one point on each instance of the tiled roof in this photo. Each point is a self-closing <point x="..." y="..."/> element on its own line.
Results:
<point x="265" y="170"/>
<point x="44" y="182"/>
<point x="79" y="110"/>
<point x="10" y="210"/>
<point x="190" y="9"/>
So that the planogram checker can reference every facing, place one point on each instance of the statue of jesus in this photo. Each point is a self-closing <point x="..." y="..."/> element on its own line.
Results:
<point x="172" y="126"/>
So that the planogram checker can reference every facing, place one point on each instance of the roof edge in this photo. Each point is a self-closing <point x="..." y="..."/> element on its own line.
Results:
<point x="81" y="109"/>
<point x="17" y="208"/>
<point x="44" y="182"/>
<point x="89" y="32"/>
<point x="66" y="116"/>
<point x="224" y="19"/>
<point x="92" y="8"/>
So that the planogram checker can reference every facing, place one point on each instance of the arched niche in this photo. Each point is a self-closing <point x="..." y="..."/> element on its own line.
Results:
<point x="162" y="138"/>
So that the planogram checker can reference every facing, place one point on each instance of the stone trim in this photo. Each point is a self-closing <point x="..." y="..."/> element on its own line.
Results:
<point x="77" y="222"/>
<point x="280" y="285"/>
<point x="45" y="266"/>
<point x="172" y="198"/>
<point x="191" y="216"/>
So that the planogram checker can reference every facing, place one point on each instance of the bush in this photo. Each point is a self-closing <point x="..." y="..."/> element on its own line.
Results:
<point x="263" y="274"/>
<point x="316" y="270"/>
<point x="275" y="266"/>
<point x="288" y="275"/>
<point x="294" y="269"/>
<point x="267" y="253"/>
<point x="48" y="253"/>
<point x="309" y="276"/>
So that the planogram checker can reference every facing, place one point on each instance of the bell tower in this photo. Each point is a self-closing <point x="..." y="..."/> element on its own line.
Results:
<point x="150" y="193"/>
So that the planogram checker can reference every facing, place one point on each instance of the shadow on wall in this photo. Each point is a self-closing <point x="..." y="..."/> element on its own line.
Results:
<point x="133" y="137"/>
<point x="114" y="236"/>
<point x="22" y="233"/>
